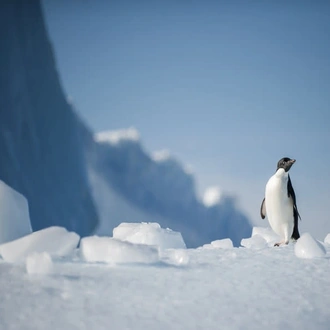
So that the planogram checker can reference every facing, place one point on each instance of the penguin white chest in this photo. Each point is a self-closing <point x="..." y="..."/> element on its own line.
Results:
<point x="279" y="206"/>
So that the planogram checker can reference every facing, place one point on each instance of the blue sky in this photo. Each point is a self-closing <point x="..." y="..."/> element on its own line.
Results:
<point x="228" y="87"/>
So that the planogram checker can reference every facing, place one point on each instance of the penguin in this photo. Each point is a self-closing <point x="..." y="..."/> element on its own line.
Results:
<point x="280" y="203"/>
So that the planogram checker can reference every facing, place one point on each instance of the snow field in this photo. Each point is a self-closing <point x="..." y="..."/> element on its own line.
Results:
<point x="233" y="289"/>
<point x="151" y="287"/>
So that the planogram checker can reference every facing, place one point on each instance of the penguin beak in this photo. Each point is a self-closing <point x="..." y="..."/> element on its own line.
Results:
<point x="292" y="161"/>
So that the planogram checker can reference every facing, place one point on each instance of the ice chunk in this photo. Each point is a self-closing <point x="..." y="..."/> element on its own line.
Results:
<point x="39" y="263"/>
<point x="57" y="241"/>
<point x="112" y="250"/>
<point x="267" y="233"/>
<point x="327" y="239"/>
<point x="308" y="247"/>
<point x="225" y="243"/>
<point x="14" y="214"/>
<point x="149" y="234"/>
<point x="255" y="242"/>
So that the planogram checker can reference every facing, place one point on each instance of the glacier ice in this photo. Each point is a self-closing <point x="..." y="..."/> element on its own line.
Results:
<point x="14" y="214"/>
<point x="56" y="241"/>
<point x="112" y="250"/>
<point x="150" y="234"/>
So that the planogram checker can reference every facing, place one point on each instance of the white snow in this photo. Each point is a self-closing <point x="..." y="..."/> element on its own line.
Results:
<point x="327" y="239"/>
<point x="122" y="285"/>
<point x="56" y="241"/>
<point x="150" y="234"/>
<point x="14" y="214"/>
<point x="225" y="243"/>
<point x="308" y="247"/>
<point x="111" y="250"/>
<point x="39" y="263"/>
<point x="212" y="196"/>
<point x="116" y="136"/>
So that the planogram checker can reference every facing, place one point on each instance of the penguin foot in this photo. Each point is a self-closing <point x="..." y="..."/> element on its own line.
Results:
<point x="281" y="243"/>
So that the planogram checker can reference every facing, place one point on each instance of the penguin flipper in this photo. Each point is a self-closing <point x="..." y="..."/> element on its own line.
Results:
<point x="295" y="233"/>
<point x="296" y="215"/>
<point x="292" y="194"/>
<point x="263" y="209"/>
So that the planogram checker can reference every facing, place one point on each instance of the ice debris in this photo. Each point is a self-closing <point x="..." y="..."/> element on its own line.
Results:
<point x="112" y="250"/>
<point x="56" y="241"/>
<point x="149" y="234"/>
<point x="255" y="242"/>
<point x="308" y="247"/>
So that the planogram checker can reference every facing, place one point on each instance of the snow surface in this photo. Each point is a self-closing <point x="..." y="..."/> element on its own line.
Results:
<point x="14" y="214"/>
<point x="56" y="241"/>
<point x="39" y="263"/>
<point x="218" y="288"/>
<point x="150" y="234"/>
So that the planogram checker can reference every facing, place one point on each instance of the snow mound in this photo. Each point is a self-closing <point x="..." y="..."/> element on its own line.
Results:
<point x="308" y="247"/>
<point x="327" y="239"/>
<point x="112" y="250"/>
<point x="117" y="136"/>
<point x="39" y="263"/>
<point x="225" y="243"/>
<point x="255" y="242"/>
<point x="56" y="241"/>
<point x="267" y="234"/>
<point x="14" y="214"/>
<point x="149" y="234"/>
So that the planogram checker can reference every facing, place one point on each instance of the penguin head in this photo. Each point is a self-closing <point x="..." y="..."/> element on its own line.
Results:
<point x="285" y="163"/>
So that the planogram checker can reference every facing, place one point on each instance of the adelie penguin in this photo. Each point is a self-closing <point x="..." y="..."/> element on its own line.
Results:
<point x="280" y="204"/>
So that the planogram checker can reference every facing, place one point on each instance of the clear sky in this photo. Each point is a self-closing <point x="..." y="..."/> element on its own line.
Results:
<point x="229" y="87"/>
